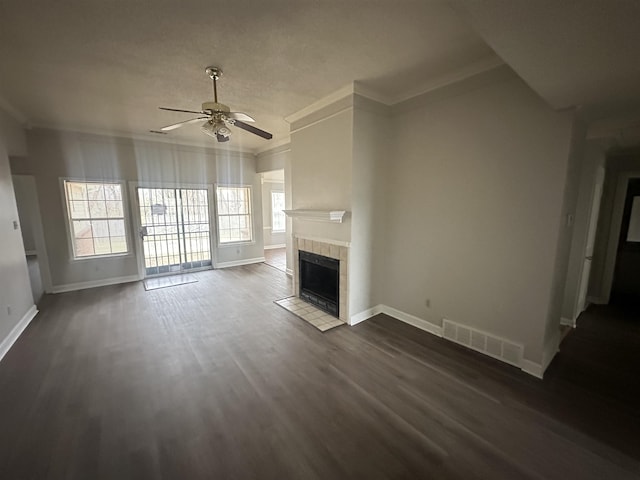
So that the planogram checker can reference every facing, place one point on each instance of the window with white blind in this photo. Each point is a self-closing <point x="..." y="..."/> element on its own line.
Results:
<point x="234" y="214"/>
<point x="277" y="212"/>
<point x="96" y="218"/>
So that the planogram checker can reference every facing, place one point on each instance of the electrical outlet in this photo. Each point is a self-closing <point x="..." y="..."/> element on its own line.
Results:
<point x="15" y="225"/>
<point x="8" y="309"/>
<point x="427" y="303"/>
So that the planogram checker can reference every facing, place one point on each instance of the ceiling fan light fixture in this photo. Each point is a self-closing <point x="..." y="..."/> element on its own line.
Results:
<point x="217" y="129"/>
<point x="218" y="116"/>
<point x="223" y="131"/>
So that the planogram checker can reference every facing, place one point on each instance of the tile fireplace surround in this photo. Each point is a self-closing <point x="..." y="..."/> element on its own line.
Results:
<point x="331" y="249"/>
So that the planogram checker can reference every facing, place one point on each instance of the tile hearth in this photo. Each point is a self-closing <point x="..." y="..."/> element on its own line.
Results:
<point x="310" y="314"/>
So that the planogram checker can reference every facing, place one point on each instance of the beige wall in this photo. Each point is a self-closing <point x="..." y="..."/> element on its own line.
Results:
<point x="474" y="210"/>
<point x="54" y="155"/>
<point x="15" y="289"/>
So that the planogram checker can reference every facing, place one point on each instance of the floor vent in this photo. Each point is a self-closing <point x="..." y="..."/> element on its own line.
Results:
<point x="483" y="342"/>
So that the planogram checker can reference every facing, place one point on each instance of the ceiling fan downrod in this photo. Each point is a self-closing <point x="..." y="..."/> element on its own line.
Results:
<point x="214" y="74"/>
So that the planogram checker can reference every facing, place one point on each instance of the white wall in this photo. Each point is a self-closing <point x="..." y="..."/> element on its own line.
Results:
<point x="371" y="159"/>
<point x="566" y="233"/>
<point x="476" y="183"/>
<point x="321" y="173"/>
<point x="270" y="237"/>
<point x="276" y="159"/>
<point x="594" y="157"/>
<point x="13" y="135"/>
<point x="53" y="155"/>
<point x="24" y="187"/>
<point x="15" y="289"/>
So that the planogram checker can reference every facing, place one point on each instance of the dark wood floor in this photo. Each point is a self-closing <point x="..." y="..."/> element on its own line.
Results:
<point x="213" y="380"/>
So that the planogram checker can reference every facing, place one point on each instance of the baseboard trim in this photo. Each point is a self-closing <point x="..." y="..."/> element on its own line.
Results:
<point x="238" y="263"/>
<point x="532" y="368"/>
<point x="273" y="247"/>
<point x="412" y="320"/>
<point x="365" y="315"/>
<point x="535" y="369"/>
<point x="72" y="287"/>
<point x="398" y="315"/>
<point x="16" y="331"/>
<point x="567" y="322"/>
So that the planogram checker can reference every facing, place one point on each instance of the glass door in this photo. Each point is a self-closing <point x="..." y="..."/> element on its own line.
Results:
<point x="175" y="229"/>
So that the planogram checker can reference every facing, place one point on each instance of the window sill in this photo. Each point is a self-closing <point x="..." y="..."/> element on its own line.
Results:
<point x="334" y="216"/>
<point x="101" y="257"/>
<point x="236" y="244"/>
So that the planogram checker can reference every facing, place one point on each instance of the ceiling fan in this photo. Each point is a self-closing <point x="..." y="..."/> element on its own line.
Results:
<point x="217" y="115"/>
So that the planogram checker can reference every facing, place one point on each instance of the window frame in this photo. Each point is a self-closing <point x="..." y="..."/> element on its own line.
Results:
<point x="284" y="227"/>
<point x="68" y="220"/>
<point x="219" y="241"/>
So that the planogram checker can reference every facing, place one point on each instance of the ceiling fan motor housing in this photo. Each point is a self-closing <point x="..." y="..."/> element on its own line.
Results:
<point x="215" y="107"/>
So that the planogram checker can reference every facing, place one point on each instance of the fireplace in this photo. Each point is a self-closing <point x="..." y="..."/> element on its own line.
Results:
<point x="320" y="281"/>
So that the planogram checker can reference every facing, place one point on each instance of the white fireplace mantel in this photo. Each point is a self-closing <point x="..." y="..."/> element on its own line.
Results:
<point x="335" y="216"/>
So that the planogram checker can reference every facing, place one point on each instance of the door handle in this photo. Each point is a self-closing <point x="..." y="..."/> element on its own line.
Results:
<point x="143" y="232"/>
<point x="588" y="258"/>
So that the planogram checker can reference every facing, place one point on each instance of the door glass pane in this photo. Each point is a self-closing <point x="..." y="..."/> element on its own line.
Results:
<point x="175" y="219"/>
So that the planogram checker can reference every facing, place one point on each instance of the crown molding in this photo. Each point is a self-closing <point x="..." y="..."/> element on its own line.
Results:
<point x="358" y="88"/>
<point x="124" y="137"/>
<point x="339" y="94"/>
<point x="275" y="147"/>
<point x="140" y="137"/>
<point x="484" y="65"/>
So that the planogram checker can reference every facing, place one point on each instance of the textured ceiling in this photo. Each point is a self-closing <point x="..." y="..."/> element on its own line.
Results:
<point x="571" y="52"/>
<point x="106" y="66"/>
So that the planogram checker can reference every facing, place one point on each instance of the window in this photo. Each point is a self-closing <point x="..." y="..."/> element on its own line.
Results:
<point x="234" y="214"/>
<point x="96" y="218"/>
<point x="277" y="214"/>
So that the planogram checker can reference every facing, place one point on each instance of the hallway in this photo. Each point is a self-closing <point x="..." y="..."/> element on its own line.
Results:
<point x="595" y="375"/>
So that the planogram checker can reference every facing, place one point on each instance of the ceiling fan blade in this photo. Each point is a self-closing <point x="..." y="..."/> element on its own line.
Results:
<point x="243" y="117"/>
<point x="185" y="111"/>
<point x="252" y="129"/>
<point x="173" y="126"/>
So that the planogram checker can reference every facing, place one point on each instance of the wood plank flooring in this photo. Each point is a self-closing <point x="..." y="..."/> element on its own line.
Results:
<point x="213" y="380"/>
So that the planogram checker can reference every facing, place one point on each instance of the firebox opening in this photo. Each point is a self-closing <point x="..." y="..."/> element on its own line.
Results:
<point x="319" y="281"/>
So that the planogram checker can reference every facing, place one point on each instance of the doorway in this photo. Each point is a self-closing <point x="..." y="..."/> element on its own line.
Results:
<point x="274" y="219"/>
<point x="175" y="229"/>
<point x="590" y="243"/>
<point x="626" y="278"/>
